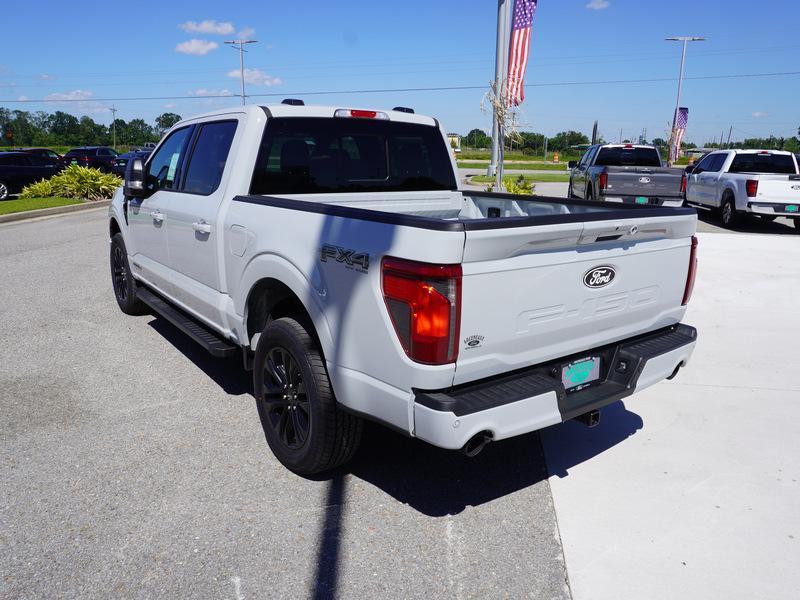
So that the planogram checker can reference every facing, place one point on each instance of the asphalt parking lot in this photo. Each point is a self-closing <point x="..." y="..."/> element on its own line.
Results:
<point x="133" y="465"/>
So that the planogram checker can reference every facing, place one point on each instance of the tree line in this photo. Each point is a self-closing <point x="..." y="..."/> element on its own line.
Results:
<point x="40" y="128"/>
<point x="533" y="143"/>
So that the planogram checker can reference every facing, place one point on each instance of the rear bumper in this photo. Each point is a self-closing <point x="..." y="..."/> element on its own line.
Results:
<point x="535" y="398"/>
<point x="778" y="209"/>
<point x="669" y="201"/>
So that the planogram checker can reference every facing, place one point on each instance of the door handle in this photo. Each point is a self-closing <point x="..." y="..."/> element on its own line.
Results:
<point x="157" y="216"/>
<point x="201" y="227"/>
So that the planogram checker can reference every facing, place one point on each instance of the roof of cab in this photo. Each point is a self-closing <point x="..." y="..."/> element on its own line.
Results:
<point x="288" y="110"/>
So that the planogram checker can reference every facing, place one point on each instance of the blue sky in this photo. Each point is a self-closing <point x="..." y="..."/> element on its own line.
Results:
<point x="96" y="50"/>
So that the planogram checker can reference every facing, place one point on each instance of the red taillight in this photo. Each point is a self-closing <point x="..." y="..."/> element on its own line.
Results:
<point x="424" y="303"/>
<point x="690" y="277"/>
<point x="363" y="114"/>
<point x="628" y="145"/>
<point x="683" y="183"/>
<point x="602" y="180"/>
<point x="752" y="187"/>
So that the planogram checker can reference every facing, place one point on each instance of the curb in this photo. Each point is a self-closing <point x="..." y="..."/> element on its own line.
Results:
<point x="56" y="210"/>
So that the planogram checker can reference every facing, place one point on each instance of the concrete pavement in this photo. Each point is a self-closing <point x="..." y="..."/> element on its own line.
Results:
<point x="690" y="489"/>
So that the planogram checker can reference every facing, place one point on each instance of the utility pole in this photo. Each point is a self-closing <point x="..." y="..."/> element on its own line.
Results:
<point x="499" y="78"/>
<point x="620" y="135"/>
<point x="728" y="144"/>
<point x="594" y="133"/>
<point x="240" y="45"/>
<point x="545" y="147"/>
<point x="685" y="39"/>
<point x="113" y="110"/>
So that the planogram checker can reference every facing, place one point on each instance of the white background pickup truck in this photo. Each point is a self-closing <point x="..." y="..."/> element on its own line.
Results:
<point x="765" y="183"/>
<point x="332" y="248"/>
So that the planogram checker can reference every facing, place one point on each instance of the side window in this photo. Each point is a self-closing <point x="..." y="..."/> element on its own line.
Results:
<point x="585" y="158"/>
<point x="162" y="170"/>
<point x="720" y="160"/>
<point x="703" y="165"/>
<point x="208" y="158"/>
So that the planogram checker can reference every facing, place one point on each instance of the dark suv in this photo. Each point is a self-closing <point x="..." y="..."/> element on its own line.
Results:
<point x="43" y="152"/>
<point x="98" y="157"/>
<point x="18" y="169"/>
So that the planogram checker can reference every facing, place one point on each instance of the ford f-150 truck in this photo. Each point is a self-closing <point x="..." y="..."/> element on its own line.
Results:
<point x="763" y="183"/>
<point x="332" y="248"/>
<point x="627" y="173"/>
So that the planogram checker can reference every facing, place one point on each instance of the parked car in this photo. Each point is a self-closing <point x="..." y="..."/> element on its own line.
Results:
<point x="98" y="157"/>
<point x="333" y="250"/>
<point x="18" y="169"/>
<point x="627" y="173"/>
<point x="764" y="183"/>
<point x="43" y="152"/>
<point x="121" y="161"/>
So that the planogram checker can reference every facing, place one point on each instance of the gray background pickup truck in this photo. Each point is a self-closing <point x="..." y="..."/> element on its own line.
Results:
<point x="625" y="173"/>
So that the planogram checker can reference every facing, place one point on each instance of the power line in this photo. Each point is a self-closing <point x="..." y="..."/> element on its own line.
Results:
<point x="392" y="90"/>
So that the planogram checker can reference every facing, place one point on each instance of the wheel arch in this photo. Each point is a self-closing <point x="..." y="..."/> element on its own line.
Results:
<point x="113" y="227"/>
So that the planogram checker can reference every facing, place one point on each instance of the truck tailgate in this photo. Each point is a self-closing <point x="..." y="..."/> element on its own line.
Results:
<point x="532" y="294"/>
<point x="643" y="181"/>
<point x="781" y="190"/>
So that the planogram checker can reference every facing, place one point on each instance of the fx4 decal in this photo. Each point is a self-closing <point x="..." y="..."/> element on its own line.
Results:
<point x="352" y="259"/>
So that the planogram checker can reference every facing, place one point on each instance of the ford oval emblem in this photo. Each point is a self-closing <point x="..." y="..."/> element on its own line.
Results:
<point x="644" y="180"/>
<point x="796" y="187"/>
<point x="599" y="276"/>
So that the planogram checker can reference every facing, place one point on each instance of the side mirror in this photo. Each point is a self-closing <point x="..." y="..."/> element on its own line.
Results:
<point x="689" y="169"/>
<point x="134" y="179"/>
<point x="572" y="164"/>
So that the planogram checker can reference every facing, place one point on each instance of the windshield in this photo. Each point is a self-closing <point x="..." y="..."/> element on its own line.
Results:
<point x="323" y="155"/>
<point x="628" y="157"/>
<point x="763" y="163"/>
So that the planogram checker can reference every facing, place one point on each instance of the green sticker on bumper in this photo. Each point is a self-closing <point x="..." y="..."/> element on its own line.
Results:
<point x="641" y="200"/>
<point x="792" y="208"/>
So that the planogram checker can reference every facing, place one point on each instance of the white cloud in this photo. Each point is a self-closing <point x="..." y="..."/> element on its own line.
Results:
<point x="170" y="105"/>
<point x="22" y="98"/>
<point x="246" y="34"/>
<point x="598" y="4"/>
<point x="80" y="100"/>
<point x="758" y="114"/>
<point x="70" y="96"/>
<point x="208" y="26"/>
<point x="47" y="77"/>
<point x="255" y="77"/>
<point x="207" y="92"/>
<point x="196" y="47"/>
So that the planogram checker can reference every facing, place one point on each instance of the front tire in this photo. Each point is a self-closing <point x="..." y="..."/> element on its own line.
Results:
<point x="123" y="282"/>
<point x="304" y="426"/>
<point x="727" y="212"/>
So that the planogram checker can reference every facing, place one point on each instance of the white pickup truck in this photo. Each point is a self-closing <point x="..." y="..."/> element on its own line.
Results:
<point x="332" y="248"/>
<point x="765" y="183"/>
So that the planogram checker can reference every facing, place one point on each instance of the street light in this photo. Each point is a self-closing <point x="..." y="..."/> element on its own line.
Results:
<point x="685" y="39"/>
<point x="239" y="44"/>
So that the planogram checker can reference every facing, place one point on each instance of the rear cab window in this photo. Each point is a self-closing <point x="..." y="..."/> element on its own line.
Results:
<point x="618" y="156"/>
<point x="778" y="164"/>
<point x="300" y="155"/>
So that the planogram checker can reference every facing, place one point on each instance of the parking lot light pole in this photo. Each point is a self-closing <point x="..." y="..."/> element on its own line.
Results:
<point x="685" y="39"/>
<point x="499" y="75"/>
<point x="240" y="45"/>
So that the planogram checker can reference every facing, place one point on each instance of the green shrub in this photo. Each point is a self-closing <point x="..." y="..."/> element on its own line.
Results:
<point x="75" y="182"/>
<point x="520" y="186"/>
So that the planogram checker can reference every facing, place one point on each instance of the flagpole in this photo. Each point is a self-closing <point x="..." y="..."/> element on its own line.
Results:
<point x="499" y="74"/>
<point x="685" y="39"/>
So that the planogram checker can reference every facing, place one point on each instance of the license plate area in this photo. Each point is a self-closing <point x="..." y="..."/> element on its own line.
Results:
<point x="580" y="374"/>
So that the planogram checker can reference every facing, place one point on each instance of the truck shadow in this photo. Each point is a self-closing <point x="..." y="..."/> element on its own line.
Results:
<point x="439" y="482"/>
<point x="748" y="224"/>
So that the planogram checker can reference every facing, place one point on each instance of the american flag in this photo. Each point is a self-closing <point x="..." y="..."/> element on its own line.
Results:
<point x="518" y="50"/>
<point x="681" y="119"/>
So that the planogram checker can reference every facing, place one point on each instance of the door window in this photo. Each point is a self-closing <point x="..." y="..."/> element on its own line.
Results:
<point x="162" y="170"/>
<point x="585" y="158"/>
<point x="704" y="165"/>
<point x="208" y="158"/>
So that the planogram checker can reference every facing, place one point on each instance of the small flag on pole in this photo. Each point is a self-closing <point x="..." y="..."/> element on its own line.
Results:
<point x="518" y="50"/>
<point x="681" y="119"/>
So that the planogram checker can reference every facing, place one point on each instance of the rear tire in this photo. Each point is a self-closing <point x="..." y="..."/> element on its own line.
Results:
<point x="123" y="283"/>
<point x="589" y="195"/>
<point x="304" y="426"/>
<point x="4" y="190"/>
<point x="727" y="212"/>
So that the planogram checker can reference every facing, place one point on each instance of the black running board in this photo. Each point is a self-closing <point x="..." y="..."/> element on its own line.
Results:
<point x="209" y="340"/>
